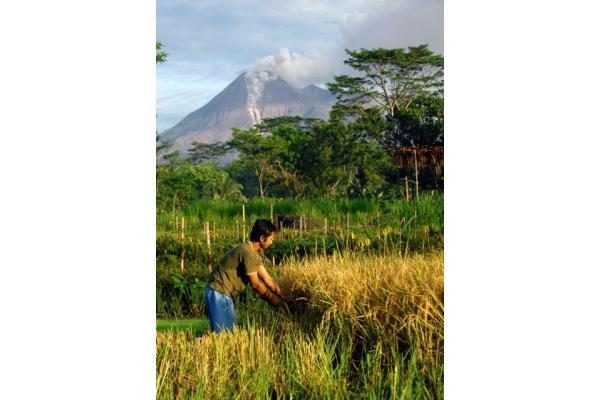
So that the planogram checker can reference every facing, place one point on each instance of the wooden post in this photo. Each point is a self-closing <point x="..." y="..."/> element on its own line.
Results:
<point x="325" y="225"/>
<point x="416" y="175"/>
<point x="207" y="228"/>
<point x="301" y="226"/>
<point x="182" y="243"/>
<point x="272" y="220"/>
<point x="237" y="228"/>
<point x="347" y="219"/>
<point x="406" y="188"/>
<point x="243" y="222"/>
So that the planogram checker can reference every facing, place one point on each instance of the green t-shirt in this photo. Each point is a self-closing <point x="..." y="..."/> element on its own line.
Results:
<point x="229" y="275"/>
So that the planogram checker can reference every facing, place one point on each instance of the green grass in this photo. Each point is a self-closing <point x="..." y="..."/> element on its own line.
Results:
<point x="195" y="326"/>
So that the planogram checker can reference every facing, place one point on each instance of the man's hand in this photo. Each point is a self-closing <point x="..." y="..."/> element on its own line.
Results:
<point x="287" y="299"/>
<point x="272" y="299"/>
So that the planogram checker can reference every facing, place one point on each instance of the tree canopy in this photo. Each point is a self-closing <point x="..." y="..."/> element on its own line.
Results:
<point x="389" y="78"/>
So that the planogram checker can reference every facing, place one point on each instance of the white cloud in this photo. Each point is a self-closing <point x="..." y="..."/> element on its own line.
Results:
<point x="403" y="24"/>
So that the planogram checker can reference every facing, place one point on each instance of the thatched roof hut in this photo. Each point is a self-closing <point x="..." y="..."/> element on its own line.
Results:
<point x="426" y="156"/>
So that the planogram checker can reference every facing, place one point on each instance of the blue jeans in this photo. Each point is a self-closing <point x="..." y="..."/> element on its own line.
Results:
<point x="219" y="309"/>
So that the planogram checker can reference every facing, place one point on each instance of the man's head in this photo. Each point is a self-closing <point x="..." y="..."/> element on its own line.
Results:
<point x="263" y="232"/>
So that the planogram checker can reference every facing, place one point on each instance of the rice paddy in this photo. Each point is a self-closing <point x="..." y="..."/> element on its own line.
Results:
<point x="371" y="327"/>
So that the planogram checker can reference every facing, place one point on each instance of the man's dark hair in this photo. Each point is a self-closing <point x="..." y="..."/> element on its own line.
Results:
<point x="262" y="227"/>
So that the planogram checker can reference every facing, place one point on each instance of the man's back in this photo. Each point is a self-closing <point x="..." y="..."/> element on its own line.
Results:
<point x="229" y="275"/>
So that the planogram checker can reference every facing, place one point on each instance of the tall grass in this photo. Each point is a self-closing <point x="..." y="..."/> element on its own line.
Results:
<point x="361" y="210"/>
<point x="372" y="328"/>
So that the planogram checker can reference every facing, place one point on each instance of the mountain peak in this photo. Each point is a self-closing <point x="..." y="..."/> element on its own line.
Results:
<point x="247" y="101"/>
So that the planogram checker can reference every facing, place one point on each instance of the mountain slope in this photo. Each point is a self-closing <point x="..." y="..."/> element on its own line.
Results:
<point x="249" y="99"/>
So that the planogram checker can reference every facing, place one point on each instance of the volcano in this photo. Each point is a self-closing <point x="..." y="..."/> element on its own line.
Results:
<point x="248" y="100"/>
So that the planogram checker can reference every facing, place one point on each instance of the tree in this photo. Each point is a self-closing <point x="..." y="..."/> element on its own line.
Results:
<point x="396" y="100"/>
<point x="214" y="183"/>
<point x="340" y="161"/>
<point x="391" y="79"/>
<point x="421" y="124"/>
<point x="183" y="182"/>
<point x="258" y="152"/>
<point x="161" y="56"/>
<point x="200" y="152"/>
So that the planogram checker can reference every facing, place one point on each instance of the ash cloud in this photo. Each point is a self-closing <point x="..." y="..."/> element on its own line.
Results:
<point x="297" y="69"/>
<point x="388" y="24"/>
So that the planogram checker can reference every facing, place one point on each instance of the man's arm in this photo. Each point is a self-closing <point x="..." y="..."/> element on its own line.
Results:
<point x="262" y="290"/>
<point x="270" y="282"/>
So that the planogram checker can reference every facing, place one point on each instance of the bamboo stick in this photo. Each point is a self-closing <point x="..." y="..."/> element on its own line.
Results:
<point x="207" y="227"/>
<point x="182" y="261"/>
<point x="416" y="175"/>
<point x="243" y="222"/>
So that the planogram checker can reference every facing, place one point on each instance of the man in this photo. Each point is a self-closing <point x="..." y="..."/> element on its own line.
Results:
<point x="239" y="267"/>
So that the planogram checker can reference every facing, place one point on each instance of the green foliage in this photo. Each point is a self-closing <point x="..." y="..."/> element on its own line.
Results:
<point x="193" y="327"/>
<point x="200" y="152"/>
<point x="181" y="182"/>
<point x="161" y="56"/>
<point x="179" y="293"/>
<point x="391" y="78"/>
<point x="396" y="101"/>
<point x="307" y="157"/>
<point x="260" y="154"/>
<point x="422" y="124"/>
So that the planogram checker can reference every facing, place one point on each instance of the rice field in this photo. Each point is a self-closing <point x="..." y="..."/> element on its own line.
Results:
<point x="372" y="327"/>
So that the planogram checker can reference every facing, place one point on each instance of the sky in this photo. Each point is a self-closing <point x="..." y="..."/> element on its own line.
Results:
<point x="209" y="43"/>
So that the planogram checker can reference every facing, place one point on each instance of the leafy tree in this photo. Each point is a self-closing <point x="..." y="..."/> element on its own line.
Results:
<point x="200" y="152"/>
<point x="177" y="183"/>
<point x="422" y="124"/>
<point x="242" y="171"/>
<point x="396" y="100"/>
<point x="183" y="182"/>
<point x="293" y="156"/>
<point x="391" y="79"/>
<point x="294" y="135"/>
<point x="340" y="161"/>
<point x="258" y="152"/>
<point x="214" y="183"/>
<point x="161" y="56"/>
